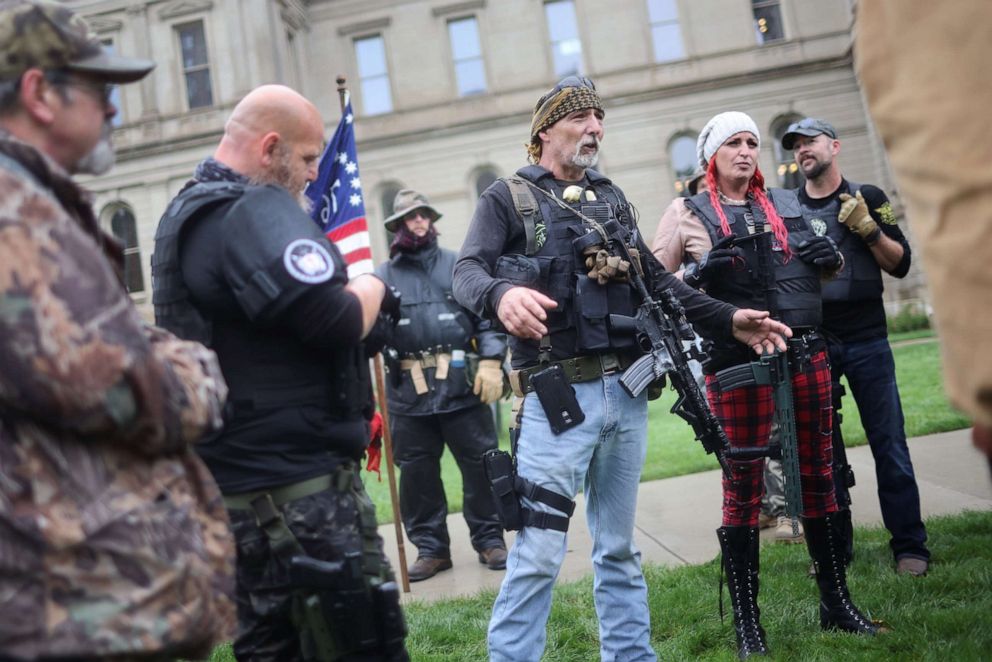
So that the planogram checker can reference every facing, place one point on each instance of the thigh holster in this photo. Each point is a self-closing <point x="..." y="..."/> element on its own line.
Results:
<point x="508" y="487"/>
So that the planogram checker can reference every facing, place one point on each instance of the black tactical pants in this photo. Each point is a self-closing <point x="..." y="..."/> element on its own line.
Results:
<point x="418" y="442"/>
<point x="327" y="525"/>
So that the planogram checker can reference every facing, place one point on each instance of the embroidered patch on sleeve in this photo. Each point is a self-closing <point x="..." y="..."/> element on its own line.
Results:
<point x="308" y="262"/>
<point x="886" y="214"/>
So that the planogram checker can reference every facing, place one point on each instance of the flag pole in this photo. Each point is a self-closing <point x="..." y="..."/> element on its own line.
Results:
<point x="387" y="438"/>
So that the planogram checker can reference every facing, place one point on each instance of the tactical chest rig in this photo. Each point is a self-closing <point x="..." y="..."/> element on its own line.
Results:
<point x="567" y="257"/>
<point x="860" y="278"/>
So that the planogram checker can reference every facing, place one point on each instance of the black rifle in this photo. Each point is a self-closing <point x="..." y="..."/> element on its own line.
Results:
<point x="660" y="327"/>
<point x="774" y="370"/>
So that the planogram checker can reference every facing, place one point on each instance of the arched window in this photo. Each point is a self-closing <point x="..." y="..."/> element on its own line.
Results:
<point x="682" y="156"/>
<point x="788" y="172"/>
<point x="484" y="179"/>
<point x="125" y="229"/>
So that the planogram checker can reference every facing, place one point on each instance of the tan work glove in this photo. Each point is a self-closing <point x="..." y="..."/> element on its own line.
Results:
<point x="854" y="214"/>
<point x="489" y="381"/>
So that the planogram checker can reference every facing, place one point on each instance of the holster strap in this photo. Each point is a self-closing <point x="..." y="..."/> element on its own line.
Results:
<point x="535" y="492"/>
<point x="577" y="369"/>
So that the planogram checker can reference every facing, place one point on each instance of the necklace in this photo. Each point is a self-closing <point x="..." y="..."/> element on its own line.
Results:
<point x="730" y="201"/>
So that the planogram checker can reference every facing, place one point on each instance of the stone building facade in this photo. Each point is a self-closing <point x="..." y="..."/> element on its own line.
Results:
<point x="444" y="89"/>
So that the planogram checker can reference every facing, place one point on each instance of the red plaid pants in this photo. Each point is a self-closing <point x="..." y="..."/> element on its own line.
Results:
<point x="746" y="416"/>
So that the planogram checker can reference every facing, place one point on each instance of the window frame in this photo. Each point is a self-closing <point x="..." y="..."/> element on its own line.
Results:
<point x="481" y="57"/>
<point x="131" y="254"/>
<point x="363" y="100"/>
<point x="777" y="129"/>
<point x="677" y="21"/>
<point x="678" y="182"/>
<point x="764" y="4"/>
<point x="582" y="68"/>
<point x="184" y="71"/>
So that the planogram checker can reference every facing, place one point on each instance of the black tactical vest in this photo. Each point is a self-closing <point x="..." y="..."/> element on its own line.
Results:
<point x="265" y="368"/>
<point x="861" y="277"/>
<point x="583" y="304"/>
<point x="797" y="283"/>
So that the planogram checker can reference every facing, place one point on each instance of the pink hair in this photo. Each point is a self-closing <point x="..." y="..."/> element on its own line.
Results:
<point x="757" y="188"/>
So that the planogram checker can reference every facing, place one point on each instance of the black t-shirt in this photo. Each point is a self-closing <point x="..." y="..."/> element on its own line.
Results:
<point x="853" y="321"/>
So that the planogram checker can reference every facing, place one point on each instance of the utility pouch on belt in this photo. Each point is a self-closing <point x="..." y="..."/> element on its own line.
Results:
<point x="557" y="398"/>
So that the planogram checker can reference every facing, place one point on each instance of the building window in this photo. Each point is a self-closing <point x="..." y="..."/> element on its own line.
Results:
<point x="767" y="20"/>
<point x="123" y="227"/>
<point x="196" y="66"/>
<point x="789" y="175"/>
<point x="470" y="74"/>
<point x="115" y="94"/>
<point x="373" y="75"/>
<point x="666" y="33"/>
<point x="563" y="29"/>
<point x="484" y="179"/>
<point x="682" y="156"/>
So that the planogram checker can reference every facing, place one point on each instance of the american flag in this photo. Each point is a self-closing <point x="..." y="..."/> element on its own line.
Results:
<point x="338" y="205"/>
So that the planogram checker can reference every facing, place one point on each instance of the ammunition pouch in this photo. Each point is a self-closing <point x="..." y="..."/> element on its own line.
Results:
<point x="508" y="487"/>
<point x="366" y="617"/>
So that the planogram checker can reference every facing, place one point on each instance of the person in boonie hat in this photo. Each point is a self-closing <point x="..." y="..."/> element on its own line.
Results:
<point x="47" y="44"/>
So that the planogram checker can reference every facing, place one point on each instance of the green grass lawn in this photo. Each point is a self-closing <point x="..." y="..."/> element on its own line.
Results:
<point x="943" y="616"/>
<point x="672" y="450"/>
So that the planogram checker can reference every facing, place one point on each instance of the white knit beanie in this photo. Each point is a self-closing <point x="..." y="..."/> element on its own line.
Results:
<point x="718" y="129"/>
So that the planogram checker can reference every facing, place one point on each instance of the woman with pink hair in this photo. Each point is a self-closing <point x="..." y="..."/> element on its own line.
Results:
<point x="753" y="248"/>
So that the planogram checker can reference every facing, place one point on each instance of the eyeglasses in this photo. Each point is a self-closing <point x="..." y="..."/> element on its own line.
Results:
<point x="103" y="91"/>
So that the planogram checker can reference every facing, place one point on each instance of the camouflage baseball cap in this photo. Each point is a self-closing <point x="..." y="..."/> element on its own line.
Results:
<point x="48" y="35"/>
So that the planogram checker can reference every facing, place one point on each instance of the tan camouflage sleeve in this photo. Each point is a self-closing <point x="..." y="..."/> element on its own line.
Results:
<point x="74" y="352"/>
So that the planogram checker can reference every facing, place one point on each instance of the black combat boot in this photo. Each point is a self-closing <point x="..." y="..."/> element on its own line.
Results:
<point x="740" y="562"/>
<point x="826" y="546"/>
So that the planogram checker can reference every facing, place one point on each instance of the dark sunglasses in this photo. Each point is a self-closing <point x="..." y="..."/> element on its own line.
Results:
<point x="60" y="77"/>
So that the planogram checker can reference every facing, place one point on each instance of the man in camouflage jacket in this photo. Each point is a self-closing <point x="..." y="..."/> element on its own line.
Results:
<point x="113" y="538"/>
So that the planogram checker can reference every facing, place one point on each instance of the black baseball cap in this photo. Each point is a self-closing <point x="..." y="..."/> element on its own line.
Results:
<point x="809" y="127"/>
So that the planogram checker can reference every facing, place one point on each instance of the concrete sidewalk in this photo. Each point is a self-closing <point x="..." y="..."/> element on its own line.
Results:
<point x="677" y="517"/>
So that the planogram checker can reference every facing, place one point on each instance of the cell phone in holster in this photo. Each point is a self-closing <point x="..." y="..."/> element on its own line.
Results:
<point x="557" y="398"/>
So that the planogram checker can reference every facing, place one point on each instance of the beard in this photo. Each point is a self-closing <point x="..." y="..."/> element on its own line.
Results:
<point x="817" y="169"/>
<point x="281" y="175"/>
<point x="589" y="160"/>
<point x="101" y="158"/>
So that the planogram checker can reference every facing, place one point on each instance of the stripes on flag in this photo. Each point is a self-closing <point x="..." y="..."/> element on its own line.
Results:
<point x="338" y="199"/>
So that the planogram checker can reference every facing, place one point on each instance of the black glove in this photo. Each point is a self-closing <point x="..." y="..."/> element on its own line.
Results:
<point x="721" y="256"/>
<point x="380" y="335"/>
<point x="390" y="308"/>
<point x="821" y="251"/>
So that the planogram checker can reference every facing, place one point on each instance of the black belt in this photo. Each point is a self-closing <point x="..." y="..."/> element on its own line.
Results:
<point x="576" y="369"/>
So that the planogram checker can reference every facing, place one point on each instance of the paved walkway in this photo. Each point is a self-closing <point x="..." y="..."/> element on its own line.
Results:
<point x="677" y="517"/>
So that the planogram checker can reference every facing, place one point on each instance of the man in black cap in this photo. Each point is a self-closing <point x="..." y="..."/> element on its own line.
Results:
<point x="445" y="369"/>
<point x="114" y="540"/>
<point x="579" y="429"/>
<point x="859" y="218"/>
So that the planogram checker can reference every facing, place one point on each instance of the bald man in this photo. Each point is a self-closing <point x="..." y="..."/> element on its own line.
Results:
<point x="239" y="266"/>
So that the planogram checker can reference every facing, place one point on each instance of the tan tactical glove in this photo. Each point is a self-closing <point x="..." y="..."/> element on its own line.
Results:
<point x="489" y="381"/>
<point x="854" y="214"/>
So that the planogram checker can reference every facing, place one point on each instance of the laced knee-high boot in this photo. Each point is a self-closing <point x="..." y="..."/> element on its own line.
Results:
<point x="826" y="547"/>
<point x="740" y="562"/>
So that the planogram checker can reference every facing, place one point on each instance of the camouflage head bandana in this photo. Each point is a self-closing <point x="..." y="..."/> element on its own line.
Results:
<point x="569" y="95"/>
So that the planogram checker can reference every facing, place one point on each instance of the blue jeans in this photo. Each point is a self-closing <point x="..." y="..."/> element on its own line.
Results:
<point x="871" y="374"/>
<point x="604" y="456"/>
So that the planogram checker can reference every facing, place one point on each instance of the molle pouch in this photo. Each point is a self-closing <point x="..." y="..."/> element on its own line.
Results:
<point x="519" y="269"/>
<point x="501" y="475"/>
<point x="592" y="310"/>
<point x="557" y="398"/>
<point x="388" y="616"/>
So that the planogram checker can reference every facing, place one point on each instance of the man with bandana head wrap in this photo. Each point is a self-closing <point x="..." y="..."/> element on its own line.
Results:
<point x="519" y="266"/>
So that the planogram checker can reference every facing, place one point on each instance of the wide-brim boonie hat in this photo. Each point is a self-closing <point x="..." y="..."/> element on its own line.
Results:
<point x="405" y="202"/>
